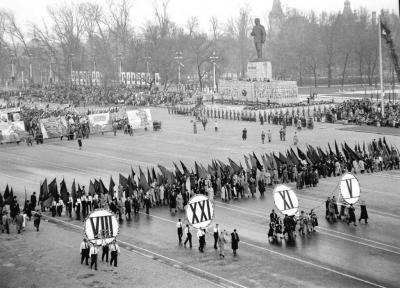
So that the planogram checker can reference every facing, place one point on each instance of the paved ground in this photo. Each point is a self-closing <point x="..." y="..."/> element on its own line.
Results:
<point x="335" y="256"/>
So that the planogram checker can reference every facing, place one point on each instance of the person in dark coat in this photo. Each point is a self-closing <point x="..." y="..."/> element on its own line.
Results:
<point x="364" y="213"/>
<point x="235" y="241"/>
<point x="352" y="215"/>
<point x="128" y="208"/>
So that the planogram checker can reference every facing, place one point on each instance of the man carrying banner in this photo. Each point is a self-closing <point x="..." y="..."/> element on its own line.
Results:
<point x="84" y="250"/>
<point x="188" y="236"/>
<point x="114" y="248"/>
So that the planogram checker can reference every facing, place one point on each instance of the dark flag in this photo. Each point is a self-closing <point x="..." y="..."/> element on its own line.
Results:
<point x="154" y="174"/>
<point x="364" y="147"/>
<point x="96" y="186"/>
<point x="337" y="150"/>
<point x="122" y="180"/>
<point x="178" y="173"/>
<point x="236" y="168"/>
<point x="48" y="201"/>
<point x="6" y="193"/>
<point x="162" y="169"/>
<point x="330" y="150"/>
<point x="132" y="173"/>
<point x="53" y="190"/>
<point x="79" y="192"/>
<point x="253" y="162"/>
<point x="258" y="164"/>
<point x="103" y="189"/>
<point x="264" y="160"/>
<point x="92" y="189"/>
<point x="111" y="187"/>
<point x="143" y="182"/>
<point x="1" y="200"/>
<point x="185" y="170"/>
<point x="73" y="190"/>
<point x="64" y="192"/>
<point x="149" y="178"/>
<point x="44" y="191"/>
<point x="211" y="170"/>
<point x="294" y="158"/>
<point x="282" y="158"/>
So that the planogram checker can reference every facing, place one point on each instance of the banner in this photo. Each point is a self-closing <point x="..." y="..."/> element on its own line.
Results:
<point x="101" y="227"/>
<point x="53" y="127"/>
<point x="286" y="200"/>
<point x="100" y="123"/>
<point x="139" y="118"/>
<point x="12" y="131"/>
<point x="200" y="211"/>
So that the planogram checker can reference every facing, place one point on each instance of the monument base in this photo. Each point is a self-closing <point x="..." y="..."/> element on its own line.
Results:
<point x="259" y="71"/>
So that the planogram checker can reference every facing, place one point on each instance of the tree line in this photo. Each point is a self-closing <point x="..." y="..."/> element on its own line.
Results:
<point x="312" y="49"/>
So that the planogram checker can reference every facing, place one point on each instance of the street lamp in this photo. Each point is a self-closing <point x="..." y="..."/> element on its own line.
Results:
<point x="119" y="57"/>
<point x="147" y="59"/>
<point x="214" y="58"/>
<point x="71" y="68"/>
<point x="178" y="57"/>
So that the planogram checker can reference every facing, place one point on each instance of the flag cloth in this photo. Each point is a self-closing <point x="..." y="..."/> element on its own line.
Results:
<point x="64" y="192"/>
<point x="258" y="164"/>
<point x="122" y="180"/>
<point x="73" y="190"/>
<point x="253" y="161"/>
<point x="246" y="160"/>
<point x="154" y="174"/>
<point x="53" y="191"/>
<point x="143" y="184"/>
<point x="185" y="170"/>
<point x="79" y="192"/>
<point x="96" y="186"/>
<point x="103" y="189"/>
<point x="1" y="200"/>
<point x="132" y="173"/>
<point x="236" y="168"/>
<point x="92" y="190"/>
<point x="149" y="178"/>
<point x="111" y="187"/>
<point x="178" y="173"/>
<point x="6" y="193"/>
<point x="337" y="150"/>
<point x="48" y="201"/>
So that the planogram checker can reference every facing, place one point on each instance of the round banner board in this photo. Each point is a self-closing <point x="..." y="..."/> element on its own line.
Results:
<point x="101" y="227"/>
<point x="286" y="200"/>
<point x="350" y="188"/>
<point x="200" y="211"/>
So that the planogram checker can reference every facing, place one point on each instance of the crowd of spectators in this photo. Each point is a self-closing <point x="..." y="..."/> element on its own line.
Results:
<point x="368" y="112"/>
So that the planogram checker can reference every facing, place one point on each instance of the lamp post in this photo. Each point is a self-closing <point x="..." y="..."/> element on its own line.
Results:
<point x="214" y="58"/>
<point x="71" y="68"/>
<point x="178" y="57"/>
<point x="147" y="59"/>
<point x="119" y="57"/>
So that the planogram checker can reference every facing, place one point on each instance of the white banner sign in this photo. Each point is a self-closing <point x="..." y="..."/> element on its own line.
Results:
<point x="286" y="200"/>
<point x="350" y="188"/>
<point x="200" y="211"/>
<point x="101" y="227"/>
<point x="139" y="118"/>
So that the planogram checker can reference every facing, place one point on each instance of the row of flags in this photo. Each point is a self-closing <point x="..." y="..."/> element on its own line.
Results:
<point x="217" y="168"/>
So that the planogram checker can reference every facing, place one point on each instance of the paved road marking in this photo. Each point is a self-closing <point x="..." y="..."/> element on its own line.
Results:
<point x="332" y="231"/>
<point x="294" y="258"/>
<point x="165" y="257"/>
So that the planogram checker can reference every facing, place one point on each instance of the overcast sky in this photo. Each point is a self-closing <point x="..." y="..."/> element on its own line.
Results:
<point x="180" y="10"/>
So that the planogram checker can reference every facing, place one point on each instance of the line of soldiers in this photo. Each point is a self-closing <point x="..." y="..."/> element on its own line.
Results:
<point x="306" y="117"/>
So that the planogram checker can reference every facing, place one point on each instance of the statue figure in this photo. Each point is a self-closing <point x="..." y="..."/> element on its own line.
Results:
<point x="259" y="35"/>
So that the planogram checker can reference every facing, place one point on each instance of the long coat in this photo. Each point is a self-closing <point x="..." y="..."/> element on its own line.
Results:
<point x="364" y="213"/>
<point x="235" y="241"/>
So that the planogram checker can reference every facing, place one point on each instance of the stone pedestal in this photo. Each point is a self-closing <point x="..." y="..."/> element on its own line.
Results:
<point x="259" y="70"/>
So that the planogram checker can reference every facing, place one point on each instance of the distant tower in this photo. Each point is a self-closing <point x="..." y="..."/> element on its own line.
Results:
<point x="275" y="18"/>
<point x="347" y="10"/>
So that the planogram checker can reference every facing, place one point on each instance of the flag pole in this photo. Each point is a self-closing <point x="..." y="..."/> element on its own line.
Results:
<point x="380" y="66"/>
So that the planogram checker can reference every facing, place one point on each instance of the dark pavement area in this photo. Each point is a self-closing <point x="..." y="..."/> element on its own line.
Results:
<point x="337" y="255"/>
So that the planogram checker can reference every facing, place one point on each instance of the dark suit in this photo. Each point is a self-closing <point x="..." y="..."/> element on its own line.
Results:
<point x="235" y="242"/>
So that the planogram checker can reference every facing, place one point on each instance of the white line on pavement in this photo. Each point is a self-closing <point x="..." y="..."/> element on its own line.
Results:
<point x="326" y="229"/>
<point x="296" y="259"/>
<point x="165" y="257"/>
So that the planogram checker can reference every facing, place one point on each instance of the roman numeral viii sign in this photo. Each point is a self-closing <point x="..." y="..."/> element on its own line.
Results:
<point x="101" y="227"/>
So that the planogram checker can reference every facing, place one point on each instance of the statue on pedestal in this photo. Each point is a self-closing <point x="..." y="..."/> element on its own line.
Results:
<point x="259" y="36"/>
